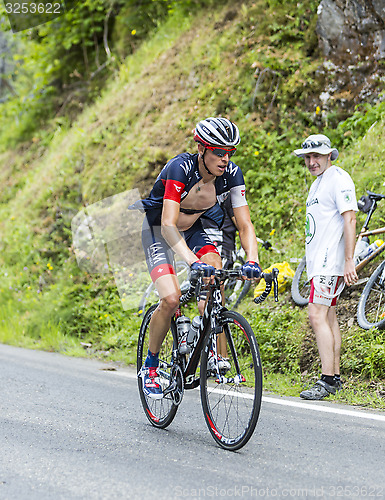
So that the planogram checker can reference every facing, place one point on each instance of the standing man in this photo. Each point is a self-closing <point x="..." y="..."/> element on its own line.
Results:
<point x="330" y="241"/>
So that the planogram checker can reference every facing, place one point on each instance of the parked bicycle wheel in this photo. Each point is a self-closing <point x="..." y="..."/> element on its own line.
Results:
<point x="371" y="306"/>
<point x="235" y="289"/>
<point x="231" y="406"/>
<point x="159" y="412"/>
<point x="300" y="286"/>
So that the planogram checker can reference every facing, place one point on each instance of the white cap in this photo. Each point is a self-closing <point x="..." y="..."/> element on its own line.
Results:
<point x="317" y="143"/>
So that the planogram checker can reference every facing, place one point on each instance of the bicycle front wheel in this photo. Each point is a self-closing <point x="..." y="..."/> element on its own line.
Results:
<point x="160" y="412"/>
<point x="371" y="306"/>
<point x="231" y="403"/>
<point x="300" y="287"/>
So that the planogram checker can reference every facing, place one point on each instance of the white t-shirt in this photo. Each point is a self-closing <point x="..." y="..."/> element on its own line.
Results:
<point x="330" y="195"/>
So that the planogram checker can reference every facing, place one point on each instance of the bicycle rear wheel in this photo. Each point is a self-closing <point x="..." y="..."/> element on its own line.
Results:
<point x="371" y="306"/>
<point x="300" y="287"/>
<point x="231" y="405"/>
<point x="160" y="412"/>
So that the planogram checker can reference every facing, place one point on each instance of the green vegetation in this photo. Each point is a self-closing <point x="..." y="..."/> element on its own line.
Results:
<point x="75" y="140"/>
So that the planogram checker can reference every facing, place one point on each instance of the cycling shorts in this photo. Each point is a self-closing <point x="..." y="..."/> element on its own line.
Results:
<point x="325" y="290"/>
<point x="159" y="255"/>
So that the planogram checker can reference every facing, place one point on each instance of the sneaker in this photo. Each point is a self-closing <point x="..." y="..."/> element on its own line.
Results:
<point x="151" y="383"/>
<point x="223" y="363"/>
<point x="320" y="390"/>
<point x="338" y="385"/>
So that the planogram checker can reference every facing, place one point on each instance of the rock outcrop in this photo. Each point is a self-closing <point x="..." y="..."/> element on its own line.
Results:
<point x="352" y="30"/>
<point x="351" y="36"/>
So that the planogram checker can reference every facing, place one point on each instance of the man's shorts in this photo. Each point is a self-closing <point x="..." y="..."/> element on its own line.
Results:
<point x="159" y="255"/>
<point x="325" y="290"/>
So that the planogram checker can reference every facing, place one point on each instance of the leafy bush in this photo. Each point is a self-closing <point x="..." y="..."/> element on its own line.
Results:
<point x="363" y="352"/>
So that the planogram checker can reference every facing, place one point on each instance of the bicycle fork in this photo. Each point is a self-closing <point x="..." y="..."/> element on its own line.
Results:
<point x="217" y="328"/>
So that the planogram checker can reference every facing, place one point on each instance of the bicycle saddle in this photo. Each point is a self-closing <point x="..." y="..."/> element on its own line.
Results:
<point x="375" y="196"/>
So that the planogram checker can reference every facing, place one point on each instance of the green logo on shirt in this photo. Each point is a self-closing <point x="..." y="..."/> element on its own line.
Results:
<point x="309" y="228"/>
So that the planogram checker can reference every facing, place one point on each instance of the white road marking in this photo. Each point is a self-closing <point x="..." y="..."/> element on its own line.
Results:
<point x="314" y="406"/>
<point x="311" y="406"/>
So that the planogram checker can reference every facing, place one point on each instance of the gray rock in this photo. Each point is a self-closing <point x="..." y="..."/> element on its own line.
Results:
<point x="350" y="30"/>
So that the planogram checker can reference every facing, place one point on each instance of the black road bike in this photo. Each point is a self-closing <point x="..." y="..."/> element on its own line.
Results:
<point x="231" y="399"/>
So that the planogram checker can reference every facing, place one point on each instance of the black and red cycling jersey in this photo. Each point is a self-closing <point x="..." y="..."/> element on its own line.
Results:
<point x="178" y="177"/>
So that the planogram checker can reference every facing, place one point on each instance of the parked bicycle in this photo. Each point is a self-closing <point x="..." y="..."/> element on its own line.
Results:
<point x="300" y="288"/>
<point x="230" y="395"/>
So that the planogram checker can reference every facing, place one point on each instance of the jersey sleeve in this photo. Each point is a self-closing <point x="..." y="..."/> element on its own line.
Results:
<point x="237" y="186"/>
<point x="346" y="195"/>
<point x="175" y="179"/>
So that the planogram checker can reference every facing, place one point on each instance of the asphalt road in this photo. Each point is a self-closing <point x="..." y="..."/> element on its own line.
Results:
<point x="71" y="429"/>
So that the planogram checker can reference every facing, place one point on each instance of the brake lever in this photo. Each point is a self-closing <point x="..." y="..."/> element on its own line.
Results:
<point x="275" y="273"/>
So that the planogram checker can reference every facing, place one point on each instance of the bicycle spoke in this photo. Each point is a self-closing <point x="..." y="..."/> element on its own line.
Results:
<point x="231" y="400"/>
<point x="160" y="412"/>
<point x="371" y="307"/>
<point x="375" y="308"/>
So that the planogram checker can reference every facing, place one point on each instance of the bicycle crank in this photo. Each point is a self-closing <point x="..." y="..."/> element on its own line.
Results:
<point x="176" y="386"/>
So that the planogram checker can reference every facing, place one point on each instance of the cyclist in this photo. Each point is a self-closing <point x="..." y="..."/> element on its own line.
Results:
<point x="330" y="239"/>
<point x="223" y="237"/>
<point x="188" y="187"/>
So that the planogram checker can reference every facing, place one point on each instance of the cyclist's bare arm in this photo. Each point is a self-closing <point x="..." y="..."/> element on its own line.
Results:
<point x="246" y="232"/>
<point x="350" y="274"/>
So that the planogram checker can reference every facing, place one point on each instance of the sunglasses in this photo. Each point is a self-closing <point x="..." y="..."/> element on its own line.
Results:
<point x="221" y="152"/>
<point x="312" y="144"/>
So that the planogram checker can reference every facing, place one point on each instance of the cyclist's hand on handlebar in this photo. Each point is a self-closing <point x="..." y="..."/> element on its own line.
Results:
<point x="200" y="266"/>
<point x="251" y="270"/>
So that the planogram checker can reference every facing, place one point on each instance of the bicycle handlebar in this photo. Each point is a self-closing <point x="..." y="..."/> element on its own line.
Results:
<point x="271" y="279"/>
<point x="196" y="283"/>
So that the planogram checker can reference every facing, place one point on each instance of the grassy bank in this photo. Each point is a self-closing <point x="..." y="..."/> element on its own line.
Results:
<point x="192" y="66"/>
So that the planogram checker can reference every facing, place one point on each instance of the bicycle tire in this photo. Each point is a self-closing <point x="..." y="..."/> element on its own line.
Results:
<point x="160" y="412"/>
<point x="231" y="409"/>
<point x="235" y="289"/>
<point x="300" y="286"/>
<point x="371" y="306"/>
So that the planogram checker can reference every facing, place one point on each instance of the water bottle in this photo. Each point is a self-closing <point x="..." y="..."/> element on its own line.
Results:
<point x="182" y="327"/>
<point x="193" y="331"/>
<point x="361" y="249"/>
<point x="371" y="248"/>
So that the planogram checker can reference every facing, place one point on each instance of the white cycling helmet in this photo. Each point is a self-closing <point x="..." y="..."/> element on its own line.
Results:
<point x="217" y="132"/>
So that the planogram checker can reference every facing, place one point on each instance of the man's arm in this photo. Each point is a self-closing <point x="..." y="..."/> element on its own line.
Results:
<point x="171" y="234"/>
<point x="350" y="274"/>
<point x="246" y="232"/>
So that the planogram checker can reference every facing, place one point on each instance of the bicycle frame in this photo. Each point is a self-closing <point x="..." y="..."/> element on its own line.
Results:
<point x="214" y="299"/>
<point x="213" y="308"/>
<point x="365" y="232"/>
